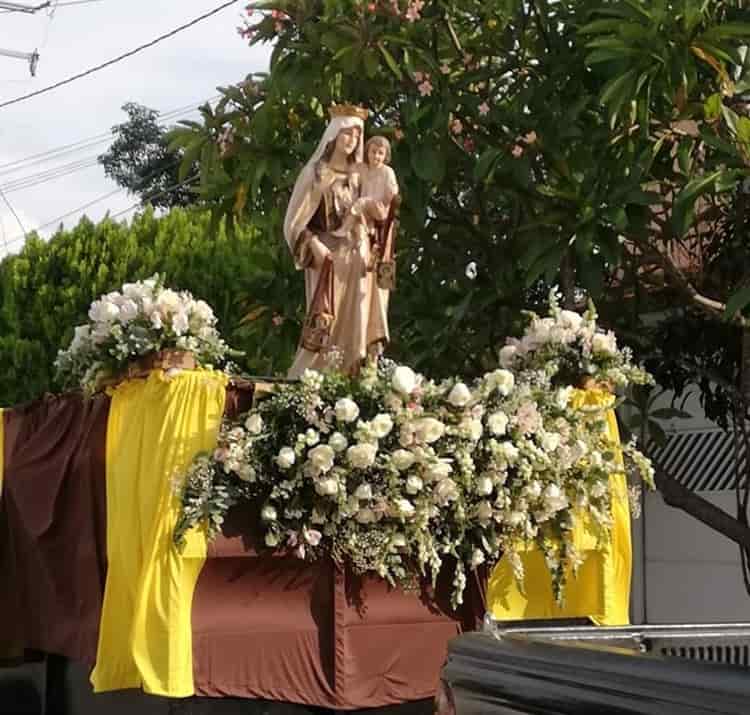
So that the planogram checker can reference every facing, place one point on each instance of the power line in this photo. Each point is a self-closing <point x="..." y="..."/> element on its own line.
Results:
<point x="15" y="215"/>
<point x="164" y="117"/>
<point x="119" y="58"/>
<point x="106" y="196"/>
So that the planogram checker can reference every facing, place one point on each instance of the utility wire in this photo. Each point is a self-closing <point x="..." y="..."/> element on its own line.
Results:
<point x="15" y="215"/>
<point x="119" y="58"/>
<point x="104" y="197"/>
<point x="165" y="117"/>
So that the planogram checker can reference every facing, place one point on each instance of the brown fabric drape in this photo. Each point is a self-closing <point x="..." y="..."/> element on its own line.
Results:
<point x="52" y="526"/>
<point x="263" y="627"/>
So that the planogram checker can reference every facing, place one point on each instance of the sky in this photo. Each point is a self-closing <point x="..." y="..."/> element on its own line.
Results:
<point x="179" y="72"/>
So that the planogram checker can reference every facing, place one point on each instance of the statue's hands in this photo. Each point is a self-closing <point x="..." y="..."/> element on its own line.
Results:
<point x="377" y="210"/>
<point x="319" y="251"/>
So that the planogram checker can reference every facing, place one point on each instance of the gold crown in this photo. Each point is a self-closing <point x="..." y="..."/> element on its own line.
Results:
<point x="349" y="110"/>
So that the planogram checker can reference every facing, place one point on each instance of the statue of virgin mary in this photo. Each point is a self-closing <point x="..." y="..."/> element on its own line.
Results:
<point x="346" y="311"/>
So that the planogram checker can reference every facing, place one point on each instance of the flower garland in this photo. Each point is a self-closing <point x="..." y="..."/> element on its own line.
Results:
<point x="142" y="319"/>
<point x="391" y="472"/>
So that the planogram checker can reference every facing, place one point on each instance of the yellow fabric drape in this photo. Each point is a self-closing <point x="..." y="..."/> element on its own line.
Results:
<point x="156" y="426"/>
<point x="601" y="591"/>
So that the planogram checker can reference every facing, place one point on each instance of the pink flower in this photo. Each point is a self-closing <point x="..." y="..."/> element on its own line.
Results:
<point x="469" y="144"/>
<point x="456" y="126"/>
<point x="484" y="109"/>
<point x="412" y="12"/>
<point x="425" y="88"/>
<point x="277" y="320"/>
<point x="371" y="7"/>
<point x="312" y="536"/>
<point x="528" y="418"/>
<point x="517" y="151"/>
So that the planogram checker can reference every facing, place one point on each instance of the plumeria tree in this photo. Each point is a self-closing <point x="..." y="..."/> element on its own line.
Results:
<point x="602" y="146"/>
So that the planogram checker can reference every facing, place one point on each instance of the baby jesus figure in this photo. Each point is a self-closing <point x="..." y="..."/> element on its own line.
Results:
<point x="378" y="188"/>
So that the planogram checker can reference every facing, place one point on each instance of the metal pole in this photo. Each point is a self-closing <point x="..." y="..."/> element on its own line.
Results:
<point x="17" y="7"/>
<point x="31" y="57"/>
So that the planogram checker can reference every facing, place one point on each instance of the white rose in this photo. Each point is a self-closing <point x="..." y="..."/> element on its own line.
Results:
<point x="254" y="424"/>
<point x="404" y="380"/>
<point x="381" y="425"/>
<point x="484" y="512"/>
<point x="472" y="428"/>
<point x="508" y="355"/>
<point x="363" y="491"/>
<point x="551" y="441"/>
<point x="286" y="457"/>
<point x="570" y="319"/>
<point x="484" y="486"/>
<point x="338" y="442"/>
<point x="414" y="485"/>
<point x="322" y="457"/>
<point x="604" y="343"/>
<point x="156" y="321"/>
<point x="429" y="429"/>
<point x="180" y="323"/>
<point x="460" y="395"/>
<point x="402" y="459"/>
<point x="497" y="423"/>
<point x="202" y="311"/>
<point x="327" y="487"/>
<point x="168" y="301"/>
<point x="269" y="513"/>
<point x="503" y="381"/>
<point x="554" y="499"/>
<point x="366" y="516"/>
<point x="404" y="507"/>
<point x="311" y="437"/>
<point x="103" y="311"/>
<point x="361" y="456"/>
<point x="438" y="471"/>
<point x="446" y="491"/>
<point x="246" y="473"/>
<point x="128" y="311"/>
<point x="406" y="435"/>
<point x="346" y="410"/>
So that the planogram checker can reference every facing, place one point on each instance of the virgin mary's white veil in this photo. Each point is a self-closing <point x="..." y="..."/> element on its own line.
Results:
<point x="307" y="191"/>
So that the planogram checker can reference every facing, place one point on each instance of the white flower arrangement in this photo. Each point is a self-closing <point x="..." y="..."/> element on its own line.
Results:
<point x="142" y="319"/>
<point x="570" y="348"/>
<point x="393" y="473"/>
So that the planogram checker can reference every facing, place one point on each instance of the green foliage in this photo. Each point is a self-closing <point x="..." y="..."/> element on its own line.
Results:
<point x="46" y="289"/>
<point x="140" y="160"/>
<point x="527" y="136"/>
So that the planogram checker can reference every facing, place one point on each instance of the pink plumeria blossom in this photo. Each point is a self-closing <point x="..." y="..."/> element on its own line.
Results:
<point x="412" y="12"/>
<point x="456" y="126"/>
<point x="517" y="151"/>
<point x="469" y="144"/>
<point x="425" y="88"/>
<point x="484" y="109"/>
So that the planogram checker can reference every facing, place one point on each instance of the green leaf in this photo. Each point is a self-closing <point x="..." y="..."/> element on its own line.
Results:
<point x="743" y="130"/>
<point x="684" y="203"/>
<point x="739" y="30"/>
<point x="657" y="433"/>
<point x="485" y="164"/>
<point x="428" y="162"/>
<point x="712" y="107"/>
<point x="391" y="62"/>
<point x="371" y="63"/>
<point x="607" y="55"/>
<point x="738" y="302"/>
